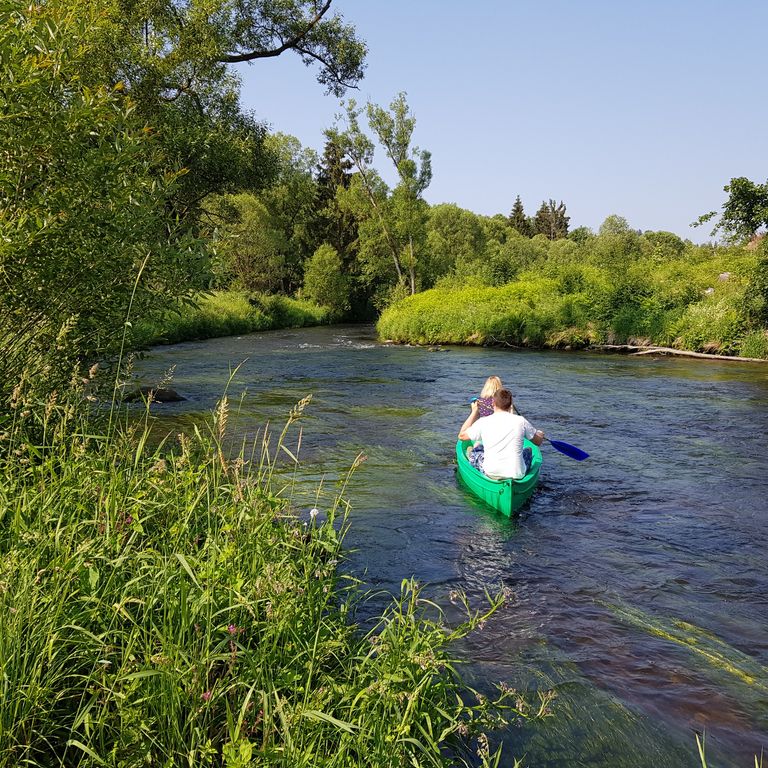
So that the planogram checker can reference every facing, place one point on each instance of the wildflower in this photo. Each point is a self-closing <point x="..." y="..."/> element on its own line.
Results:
<point x="314" y="512"/>
<point x="232" y="629"/>
<point x="206" y="696"/>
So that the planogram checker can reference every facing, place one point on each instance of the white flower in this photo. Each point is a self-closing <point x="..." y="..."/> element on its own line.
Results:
<point x="314" y="512"/>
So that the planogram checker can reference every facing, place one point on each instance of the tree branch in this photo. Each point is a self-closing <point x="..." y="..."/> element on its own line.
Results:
<point x="293" y="42"/>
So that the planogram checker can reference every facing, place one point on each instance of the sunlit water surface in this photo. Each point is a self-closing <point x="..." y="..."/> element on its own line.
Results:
<point x="639" y="580"/>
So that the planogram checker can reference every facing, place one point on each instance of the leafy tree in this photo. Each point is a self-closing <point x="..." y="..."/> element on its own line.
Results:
<point x="291" y="205"/>
<point x="454" y="235"/>
<point x="86" y="229"/>
<point x="581" y="235"/>
<point x="662" y="246"/>
<point x="614" y="225"/>
<point x="250" y="244"/>
<point x="551" y="220"/>
<point x="172" y="57"/>
<point x="745" y="212"/>
<point x="518" y="220"/>
<point x="400" y="216"/>
<point x="325" y="282"/>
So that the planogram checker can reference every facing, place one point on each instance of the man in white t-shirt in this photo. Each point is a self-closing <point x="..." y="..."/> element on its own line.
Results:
<point x="501" y="434"/>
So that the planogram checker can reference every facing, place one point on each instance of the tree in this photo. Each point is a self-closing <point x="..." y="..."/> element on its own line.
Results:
<point x="401" y="215"/>
<point x="745" y="212"/>
<point x="454" y="235"/>
<point x="325" y="281"/>
<point x="251" y="245"/>
<point x="86" y="226"/>
<point x="172" y="60"/>
<point x="333" y="224"/>
<point x="551" y="220"/>
<point x="614" y="225"/>
<point x="518" y="220"/>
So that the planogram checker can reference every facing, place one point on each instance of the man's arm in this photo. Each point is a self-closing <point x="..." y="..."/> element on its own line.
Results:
<point x="538" y="437"/>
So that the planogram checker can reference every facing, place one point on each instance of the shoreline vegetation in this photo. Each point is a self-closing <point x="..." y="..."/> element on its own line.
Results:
<point x="704" y="301"/>
<point x="228" y="313"/>
<point x="161" y="605"/>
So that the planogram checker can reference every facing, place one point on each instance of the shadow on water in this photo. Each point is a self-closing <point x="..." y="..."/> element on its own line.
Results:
<point x="637" y="579"/>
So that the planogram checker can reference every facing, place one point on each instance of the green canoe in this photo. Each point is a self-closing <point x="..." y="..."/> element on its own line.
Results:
<point x="507" y="496"/>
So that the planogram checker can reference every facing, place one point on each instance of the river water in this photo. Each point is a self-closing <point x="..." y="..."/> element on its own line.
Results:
<point x="638" y="578"/>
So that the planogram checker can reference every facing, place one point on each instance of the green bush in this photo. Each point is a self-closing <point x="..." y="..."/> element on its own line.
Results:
<point x="755" y="344"/>
<point x="715" y="325"/>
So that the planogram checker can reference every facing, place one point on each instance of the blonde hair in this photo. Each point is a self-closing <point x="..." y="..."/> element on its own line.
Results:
<point x="491" y="386"/>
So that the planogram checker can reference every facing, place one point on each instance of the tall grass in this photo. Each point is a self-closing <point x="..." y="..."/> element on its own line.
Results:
<point x="162" y="606"/>
<point x="228" y="313"/>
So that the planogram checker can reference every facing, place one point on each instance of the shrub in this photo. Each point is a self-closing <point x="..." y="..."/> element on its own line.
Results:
<point x="325" y="282"/>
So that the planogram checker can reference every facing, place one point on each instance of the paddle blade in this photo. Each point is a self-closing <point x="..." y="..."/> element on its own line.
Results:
<point x="569" y="450"/>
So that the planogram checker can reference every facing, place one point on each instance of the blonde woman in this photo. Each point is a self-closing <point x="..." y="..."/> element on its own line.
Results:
<point x="483" y="405"/>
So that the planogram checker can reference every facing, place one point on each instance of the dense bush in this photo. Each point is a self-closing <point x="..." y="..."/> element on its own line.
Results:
<point x="617" y="287"/>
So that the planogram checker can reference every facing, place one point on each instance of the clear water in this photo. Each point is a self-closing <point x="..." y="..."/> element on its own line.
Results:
<point x="639" y="577"/>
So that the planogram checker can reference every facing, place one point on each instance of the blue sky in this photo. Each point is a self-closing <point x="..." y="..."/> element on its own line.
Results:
<point x="645" y="110"/>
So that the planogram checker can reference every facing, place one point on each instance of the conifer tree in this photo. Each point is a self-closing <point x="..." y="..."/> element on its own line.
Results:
<point x="518" y="220"/>
<point x="551" y="220"/>
<point x="334" y="226"/>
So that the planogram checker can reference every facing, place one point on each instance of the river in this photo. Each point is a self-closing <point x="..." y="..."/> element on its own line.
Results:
<point x="638" y="578"/>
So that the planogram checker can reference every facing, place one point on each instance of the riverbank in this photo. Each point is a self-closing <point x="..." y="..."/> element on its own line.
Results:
<point x="228" y="313"/>
<point x="163" y="606"/>
<point x="539" y="313"/>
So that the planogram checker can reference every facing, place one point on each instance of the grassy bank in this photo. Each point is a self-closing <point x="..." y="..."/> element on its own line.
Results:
<point x="163" y="607"/>
<point x="228" y="313"/>
<point x="701" y="304"/>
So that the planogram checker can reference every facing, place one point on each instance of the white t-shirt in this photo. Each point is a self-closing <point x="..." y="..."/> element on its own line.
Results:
<point x="502" y="436"/>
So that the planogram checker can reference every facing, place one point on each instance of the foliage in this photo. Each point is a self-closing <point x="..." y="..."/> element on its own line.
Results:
<point x="616" y="287"/>
<point x="251" y="247"/>
<point x="454" y="236"/>
<point x="744" y="212"/>
<point x="162" y="606"/>
<point x="519" y="221"/>
<point x="227" y="313"/>
<point x="551" y="221"/>
<point x="325" y="282"/>
<point x="397" y="219"/>
<point x="83" y="210"/>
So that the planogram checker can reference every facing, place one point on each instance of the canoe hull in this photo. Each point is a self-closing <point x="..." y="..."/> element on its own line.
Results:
<point x="506" y="496"/>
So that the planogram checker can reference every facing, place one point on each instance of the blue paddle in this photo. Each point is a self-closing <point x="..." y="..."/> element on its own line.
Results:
<point x="569" y="450"/>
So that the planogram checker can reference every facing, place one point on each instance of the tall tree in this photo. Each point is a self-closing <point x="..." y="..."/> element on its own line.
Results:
<point x="333" y="224"/>
<point x="401" y="215"/>
<point x="172" y="60"/>
<point x="551" y="220"/>
<point x="518" y="220"/>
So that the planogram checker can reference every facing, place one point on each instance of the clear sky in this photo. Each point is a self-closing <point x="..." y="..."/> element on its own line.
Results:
<point x="642" y="109"/>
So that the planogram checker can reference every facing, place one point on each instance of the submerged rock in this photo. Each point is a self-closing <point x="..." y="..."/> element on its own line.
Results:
<point x="154" y="394"/>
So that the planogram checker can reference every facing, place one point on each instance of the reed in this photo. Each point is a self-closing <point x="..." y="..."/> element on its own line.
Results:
<point x="161" y="605"/>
